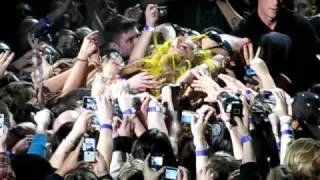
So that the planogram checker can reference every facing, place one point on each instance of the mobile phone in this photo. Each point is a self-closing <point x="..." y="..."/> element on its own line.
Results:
<point x="89" y="103"/>
<point x="187" y="116"/>
<point x="236" y="110"/>
<point x="1" y="124"/>
<point x="89" y="149"/>
<point x="171" y="173"/>
<point x="156" y="162"/>
<point x="95" y="122"/>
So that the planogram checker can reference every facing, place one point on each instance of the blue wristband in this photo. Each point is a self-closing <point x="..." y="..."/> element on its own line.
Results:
<point x="287" y="132"/>
<point x="203" y="152"/>
<point x="47" y="21"/>
<point x="153" y="109"/>
<point x="278" y="145"/>
<point x="106" y="126"/>
<point x="129" y="111"/>
<point x="149" y="28"/>
<point x="245" y="139"/>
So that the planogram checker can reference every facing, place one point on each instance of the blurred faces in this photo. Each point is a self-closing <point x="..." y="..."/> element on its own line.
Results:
<point x="303" y="7"/>
<point x="268" y="9"/>
<point x="126" y="41"/>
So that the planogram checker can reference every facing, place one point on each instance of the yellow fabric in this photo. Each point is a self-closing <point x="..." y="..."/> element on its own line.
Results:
<point x="171" y="66"/>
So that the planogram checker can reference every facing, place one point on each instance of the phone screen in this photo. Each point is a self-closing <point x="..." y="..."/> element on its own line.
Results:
<point x="156" y="162"/>
<point x="89" y="149"/>
<point x="187" y="116"/>
<point x="89" y="103"/>
<point x="171" y="173"/>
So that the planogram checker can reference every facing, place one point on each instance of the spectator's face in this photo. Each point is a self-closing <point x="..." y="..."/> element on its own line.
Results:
<point x="67" y="45"/>
<point x="269" y="8"/>
<point x="127" y="40"/>
<point x="302" y="7"/>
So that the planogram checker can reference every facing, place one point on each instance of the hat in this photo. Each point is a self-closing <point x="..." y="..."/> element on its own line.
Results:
<point x="306" y="108"/>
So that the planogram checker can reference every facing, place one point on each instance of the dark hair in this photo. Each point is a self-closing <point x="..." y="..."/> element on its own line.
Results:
<point x="222" y="166"/>
<point x="15" y="93"/>
<point x="69" y="102"/>
<point x="115" y="26"/>
<point x="61" y="133"/>
<point x="22" y="112"/>
<point x="154" y="141"/>
<point x="80" y="174"/>
<point x="67" y="50"/>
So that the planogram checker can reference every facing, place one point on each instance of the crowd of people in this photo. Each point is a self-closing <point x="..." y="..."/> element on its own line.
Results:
<point x="161" y="89"/>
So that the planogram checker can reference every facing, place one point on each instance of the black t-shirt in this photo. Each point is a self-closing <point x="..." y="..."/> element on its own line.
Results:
<point x="301" y="65"/>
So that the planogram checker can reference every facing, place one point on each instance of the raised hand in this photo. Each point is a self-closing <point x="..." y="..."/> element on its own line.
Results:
<point x="198" y="127"/>
<point x="148" y="173"/>
<point x="206" y="84"/>
<point x="104" y="110"/>
<point x="22" y="145"/>
<point x="205" y="174"/>
<point x="42" y="118"/>
<point x="152" y="14"/>
<point x="5" y="60"/>
<point x="281" y="108"/>
<point x="71" y="162"/>
<point x="89" y="46"/>
<point x="142" y="81"/>
<point x="134" y="12"/>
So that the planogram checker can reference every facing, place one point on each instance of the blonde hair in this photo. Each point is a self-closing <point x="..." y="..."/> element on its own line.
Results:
<point x="300" y="156"/>
<point x="131" y="168"/>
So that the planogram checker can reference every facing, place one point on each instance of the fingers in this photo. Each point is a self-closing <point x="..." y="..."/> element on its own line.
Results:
<point x="208" y="115"/>
<point x="246" y="55"/>
<point x="92" y="35"/>
<point x="251" y="54"/>
<point x="258" y="52"/>
<point x="146" y="162"/>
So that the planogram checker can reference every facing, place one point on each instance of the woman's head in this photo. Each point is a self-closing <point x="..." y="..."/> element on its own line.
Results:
<point x="132" y="170"/>
<point x="80" y="174"/>
<point x="281" y="173"/>
<point x="303" y="157"/>
<point x="222" y="166"/>
<point x="154" y="141"/>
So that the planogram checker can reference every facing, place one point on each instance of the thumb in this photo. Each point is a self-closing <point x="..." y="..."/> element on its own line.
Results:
<point x="161" y="171"/>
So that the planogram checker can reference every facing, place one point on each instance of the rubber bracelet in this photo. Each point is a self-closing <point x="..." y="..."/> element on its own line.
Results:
<point x="203" y="152"/>
<point x="245" y="139"/>
<point x="149" y="28"/>
<point x="106" y="126"/>
<point x="153" y="109"/>
<point x="278" y="145"/>
<point x="10" y="154"/>
<point x="47" y="21"/>
<point x="287" y="132"/>
<point x="129" y="111"/>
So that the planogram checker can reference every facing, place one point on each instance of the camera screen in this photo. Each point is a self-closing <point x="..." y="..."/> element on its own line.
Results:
<point x="171" y="173"/>
<point x="156" y="160"/>
<point x="89" y="103"/>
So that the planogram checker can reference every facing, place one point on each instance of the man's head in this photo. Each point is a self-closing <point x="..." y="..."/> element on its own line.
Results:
<point x="120" y="33"/>
<point x="304" y="7"/>
<point x="269" y="8"/>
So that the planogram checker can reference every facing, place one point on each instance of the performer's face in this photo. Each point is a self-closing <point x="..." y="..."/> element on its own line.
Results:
<point x="269" y="8"/>
<point x="184" y="47"/>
